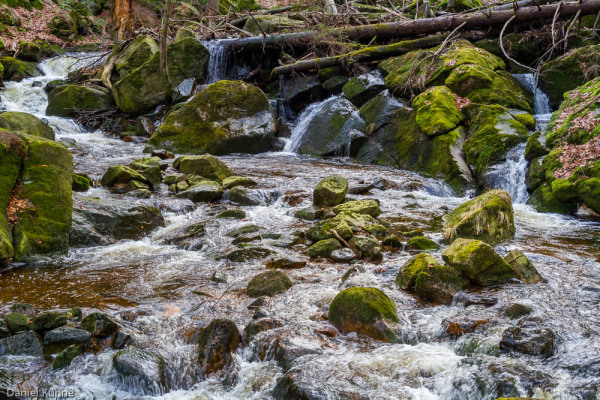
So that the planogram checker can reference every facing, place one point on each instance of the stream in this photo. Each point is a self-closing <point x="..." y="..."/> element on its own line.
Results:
<point x="161" y="294"/>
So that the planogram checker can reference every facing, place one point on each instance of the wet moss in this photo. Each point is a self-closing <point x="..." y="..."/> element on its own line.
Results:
<point x="543" y="200"/>
<point x="270" y="283"/>
<point x="534" y="147"/>
<point x="437" y="112"/>
<point x="421" y="243"/>
<point x="324" y="248"/>
<point x="17" y="70"/>
<point x="69" y="100"/>
<point x="414" y="266"/>
<point x="16" y="121"/>
<point x="589" y="191"/>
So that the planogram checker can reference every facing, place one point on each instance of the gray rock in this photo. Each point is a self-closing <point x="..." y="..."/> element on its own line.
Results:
<point x="141" y="370"/>
<point x="26" y="343"/>
<point x="59" y="339"/>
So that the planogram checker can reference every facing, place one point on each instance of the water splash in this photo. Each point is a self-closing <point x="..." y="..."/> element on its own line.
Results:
<point x="510" y="175"/>
<point x="219" y="60"/>
<point x="541" y="104"/>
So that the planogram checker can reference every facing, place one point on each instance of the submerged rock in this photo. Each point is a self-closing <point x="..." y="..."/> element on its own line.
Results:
<point x="478" y="261"/>
<point x="269" y="284"/>
<point x="106" y="221"/>
<point x="364" y="310"/>
<point x="226" y="117"/>
<point x="217" y="343"/>
<point x="488" y="217"/>
<point x="330" y="191"/>
<point x="144" y="370"/>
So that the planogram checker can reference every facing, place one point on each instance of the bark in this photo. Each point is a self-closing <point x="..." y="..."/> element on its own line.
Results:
<point x="164" y="71"/>
<point x="390" y="31"/>
<point x="122" y="17"/>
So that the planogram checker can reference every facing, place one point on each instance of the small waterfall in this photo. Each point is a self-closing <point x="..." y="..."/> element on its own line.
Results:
<point x="303" y="122"/>
<point x="219" y="59"/>
<point x="541" y="104"/>
<point x="510" y="175"/>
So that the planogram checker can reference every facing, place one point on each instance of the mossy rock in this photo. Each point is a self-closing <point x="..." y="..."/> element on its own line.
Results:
<point x="493" y="132"/>
<point x="142" y="90"/>
<point x="534" y="147"/>
<point x="543" y="200"/>
<point x="330" y="191"/>
<point x="248" y="254"/>
<point x="564" y="190"/>
<point x="421" y="243"/>
<point x="20" y="122"/>
<point x="366" y="311"/>
<point x="589" y="191"/>
<point x="516" y="310"/>
<point x="136" y="54"/>
<point x="401" y="143"/>
<point x="17" y="70"/>
<point x="29" y="51"/>
<point x="235" y="214"/>
<point x="17" y="322"/>
<point x="233" y="181"/>
<point x="569" y="71"/>
<point x="204" y="191"/>
<point x="526" y="119"/>
<point x="270" y="283"/>
<point x="344" y="224"/>
<point x="121" y="175"/>
<point x="217" y="343"/>
<point x="324" y="248"/>
<point x="66" y="357"/>
<point x="369" y="207"/>
<point x="207" y="166"/>
<point x="437" y="112"/>
<point x="45" y="223"/>
<point x="363" y="88"/>
<point x="204" y="124"/>
<point x="366" y="247"/>
<point x="49" y="320"/>
<point x="523" y="267"/>
<point x="488" y="217"/>
<point x="535" y="175"/>
<point x="70" y="100"/>
<point x="478" y="261"/>
<point x="99" y="324"/>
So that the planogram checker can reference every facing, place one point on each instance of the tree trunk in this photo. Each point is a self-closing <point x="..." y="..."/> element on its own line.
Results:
<point x="122" y="18"/>
<point x="405" y="29"/>
<point x="164" y="71"/>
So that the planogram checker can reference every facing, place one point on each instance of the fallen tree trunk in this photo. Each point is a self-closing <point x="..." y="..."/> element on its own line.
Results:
<point x="486" y="19"/>
<point x="367" y="54"/>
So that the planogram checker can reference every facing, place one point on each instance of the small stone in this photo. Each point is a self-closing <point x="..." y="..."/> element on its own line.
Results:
<point x="516" y="311"/>
<point x="324" y="248"/>
<point x="269" y="284"/>
<point x="343" y="255"/>
<point x="285" y="263"/>
<point x="233" y="181"/>
<point x="392" y="241"/>
<point x="421" y="243"/>
<point x="234" y="213"/>
<point x="248" y="254"/>
<point x="529" y="337"/>
<point x="218" y="277"/>
<point x="99" y="324"/>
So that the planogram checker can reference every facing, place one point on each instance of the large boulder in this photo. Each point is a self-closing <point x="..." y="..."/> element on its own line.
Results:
<point x="437" y="112"/>
<point x="43" y="200"/>
<point x="330" y="191"/>
<point x="217" y="343"/>
<point x="363" y="88"/>
<point x="105" y="221"/>
<point x="364" y="310"/>
<point x="226" y="117"/>
<point x="59" y="339"/>
<point x="70" y="100"/>
<point x="136" y="54"/>
<point x="568" y="71"/>
<point x="335" y="128"/>
<point x="369" y="207"/>
<point x="488" y="217"/>
<point x="300" y="91"/>
<point x="430" y="280"/>
<point x="206" y="166"/>
<point x="143" y="89"/>
<point x="20" y="122"/>
<point x="203" y="191"/>
<point x="478" y="261"/>
<point x="99" y="324"/>
<point x="467" y="70"/>
<point x="17" y="70"/>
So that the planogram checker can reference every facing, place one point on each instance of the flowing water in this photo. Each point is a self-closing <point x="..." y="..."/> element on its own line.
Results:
<point x="160" y="293"/>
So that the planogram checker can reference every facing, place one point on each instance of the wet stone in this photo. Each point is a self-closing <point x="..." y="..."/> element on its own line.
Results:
<point x="530" y="336"/>
<point x="516" y="311"/>
<point x="343" y="255"/>
<point x="285" y="263"/>
<point x="141" y="369"/>
<point x="216" y="344"/>
<point x="269" y="284"/>
<point x="99" y="324"/>
<point x="59" y="339"/>
<point x="26" y="343"/>
<point x="260" y="325"/>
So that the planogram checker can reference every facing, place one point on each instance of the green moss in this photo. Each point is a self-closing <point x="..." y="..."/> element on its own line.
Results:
<point x="69" y="100"/>
<point x="66" y="357"/>
<point x="421" y="243"/>
<point x="16" y="121"/>
<point x="369" y="207"/>
<point x="269" y="284"/>
<point x="535" y="174"/>
<point x="207" y="166"/>
<point x="543" y="200"/>
<point x="324" y="248"/>
<point x="488" y="217"/>
<point x="527" y="120"/>
<point x="365" y="311"/>
<point x="136" y="54"/>
<point x="17" y="322"/>
<point x="17" y="70"/>
<point x="203" y="125"/>
<point x="534" y="147"/>
<point x="589" y="191"/>
<point x="478" y="261"/>
<point x="414" y="266"/>
<point x="437" y="112"/>
<point x="493" y="133"/>
<point x="563" y="189"/>
<point x="120" y="174"/>
<point x="522" y="267"/>
<point x="29" y="51"/>
<point x="504" y="90"/>
<point x="270" y="23"/>
<point x="233" y="181"/>
<point x="330" y="191"/>
<point x="468" y="77"/>
<point x="439" y="283"/>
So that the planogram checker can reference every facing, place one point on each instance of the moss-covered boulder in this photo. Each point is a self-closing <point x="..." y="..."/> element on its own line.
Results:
<point x="119" y="175"/>
<point x="400" y="142"/>
<point x="488" y="217"/>
<point x="330" y="191"/>
<point x="569" y="71"/>
<point x="465" y="69"/>
<point x="143" y="89"/>
<point x="49" y="320"/>
<point x="478" y="261"/>
<point x="543" y="200"/>
<point x="437" y="112"/>
<point x="16" y="322"/>
<point x="20" y="122"/>
<point x="324" y="248"/>
<point x="99" y="324"/>
<point x="226" y="117"/>
<point x="344" y="224"/>
<point x="363" y="88"/>
<point x="204" y="191"/>
<point x="147" y="369"/>
<point x="206" y="166"/>
<point x="269" y="284"/>
<point x="421" y="243"/>
<point x="17" y="70"/>
<point x="29" y="51"/>
<point x="43" y="219"/>
<point x="535" y="148"/>
<point x="70" y="100"/>
<point x="233" y="181"/>
<point x="493" y="132"/>
<point x="337" y="129"/>
<point x="430" y="280"/>
<point x="136" y="54"/>
<point x="522" y="267"/>
<point x="366" y="247"/>
<point x="66" y="357"/>
<point x="366" y="311"/>
<point x="534" y="176"/>
<point x="369" y="207"/>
